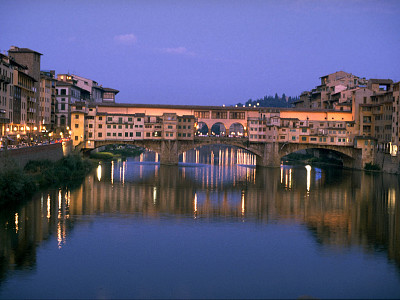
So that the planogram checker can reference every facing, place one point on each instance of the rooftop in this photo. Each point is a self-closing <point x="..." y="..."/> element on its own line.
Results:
<point x="15" y="49"/>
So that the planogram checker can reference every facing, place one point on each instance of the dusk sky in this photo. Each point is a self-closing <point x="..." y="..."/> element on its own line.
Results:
<point x="207" y="52"/>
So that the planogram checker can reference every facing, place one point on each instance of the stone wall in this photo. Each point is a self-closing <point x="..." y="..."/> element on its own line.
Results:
<point x="22" y="156"/>
<point x="387" y="163"/>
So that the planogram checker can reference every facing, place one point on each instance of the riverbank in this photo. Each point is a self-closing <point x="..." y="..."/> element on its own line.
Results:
<point x="114" y="152"/>
<point x="17" y="184"/>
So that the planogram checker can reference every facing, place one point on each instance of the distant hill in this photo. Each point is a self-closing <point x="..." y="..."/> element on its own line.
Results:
<point x="271" y="101"/>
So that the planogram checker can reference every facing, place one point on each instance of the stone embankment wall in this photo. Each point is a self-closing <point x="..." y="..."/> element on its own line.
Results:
<point x="52" y="152"/>
<point x="388" y="163"/>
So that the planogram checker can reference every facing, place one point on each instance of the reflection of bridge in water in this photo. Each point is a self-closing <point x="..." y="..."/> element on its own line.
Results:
<point x="340" y="208"/>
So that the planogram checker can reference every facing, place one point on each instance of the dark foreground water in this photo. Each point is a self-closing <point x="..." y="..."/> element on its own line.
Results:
<point x="140" y="230"/>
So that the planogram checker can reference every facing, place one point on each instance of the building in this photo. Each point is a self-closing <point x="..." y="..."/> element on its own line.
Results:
<point x="6" y="93"/>
<point x="47" y="100"/>
<point x="31" y="60"/>
<point x="67" y="93"/>
<point x="109" y="95"/>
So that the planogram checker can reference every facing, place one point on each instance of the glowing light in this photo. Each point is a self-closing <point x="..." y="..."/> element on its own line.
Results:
<point x="195" y="204"/>
<point x="112" y="172"/>
<point x="16" y="222"/>
<point x="99" y="173"/>
<point x="391" y="200"/>
<point x="8" y="129"/>
<point x="308" y="168"/>
<point x="28" y="128"/>
<point x="243" y="208"/>
<point x="154" y="195"/>
<point x="35" y="128"/>
<point x="48" y="207"/>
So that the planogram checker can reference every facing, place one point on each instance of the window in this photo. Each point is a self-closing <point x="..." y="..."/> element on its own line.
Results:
<point x="147" y="134"/>
<point x="76" y="138"/>
<point x="108" y="133"/>
<point x="100" y="134"/>
<point x="109" y="119"/>
<point x="138" y="134"/>
<point x="63" y="91"/>
<point x="119" y="133"/>
<point x="76" y="116"/>
<point x="62" y="106"/>
<point x="109" y="126"/>
<point x="303" y="138"/>
<point x="90" y="125"/>
<point x="100" y="118"/>
<point x="76" y="125"/>
<point x="100" y="126"/>
<point x="90" y="134"/>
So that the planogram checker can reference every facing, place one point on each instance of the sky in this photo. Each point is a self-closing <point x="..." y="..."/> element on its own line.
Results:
<point x="207" y="52"/>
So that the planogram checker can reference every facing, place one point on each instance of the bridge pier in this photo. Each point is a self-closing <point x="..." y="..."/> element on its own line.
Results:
<point x="270" y="155"/>
<point x="169" y="152"/>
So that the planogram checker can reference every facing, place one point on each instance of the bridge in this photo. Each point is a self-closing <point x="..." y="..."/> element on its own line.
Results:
<point x="269" y="133"/>
<point x="267" y="154"/>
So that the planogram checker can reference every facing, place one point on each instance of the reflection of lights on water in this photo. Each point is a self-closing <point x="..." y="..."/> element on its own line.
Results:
<point x="48" y="207"/>
<point x="308" y="168"/>
<point x="99" y="172"/>
<point x="41" y="205"/>
<point x="195" y="204"/>
<point x="112" y="172"/>
<point x="391" y="200"/>
<point x="242" y="199"/>
<point x="123" y="171"/>
<point x="154" y="195"/>
<point x="287" y="174"/>
<point x="16" y="222"/>
<point x="59" y="204"/>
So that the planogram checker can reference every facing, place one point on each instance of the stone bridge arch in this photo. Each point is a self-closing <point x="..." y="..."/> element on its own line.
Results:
<point x="350" y="156"/>
<point x="146" y="144"/>
<point x="241" y="143"/>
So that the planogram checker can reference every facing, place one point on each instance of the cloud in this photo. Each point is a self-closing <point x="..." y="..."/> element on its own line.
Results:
<point x="126" y="39"/>
<point x="178" y="51"/>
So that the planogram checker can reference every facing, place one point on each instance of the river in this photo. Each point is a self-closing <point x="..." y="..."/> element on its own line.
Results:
<point x="213" y="227"/>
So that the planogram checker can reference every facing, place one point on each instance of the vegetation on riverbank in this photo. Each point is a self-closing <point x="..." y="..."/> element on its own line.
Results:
<point x="371" y="167"/>
<point x="112" y="152"/>
<point x="17" y="183"/>
<point x="14" y="183"/>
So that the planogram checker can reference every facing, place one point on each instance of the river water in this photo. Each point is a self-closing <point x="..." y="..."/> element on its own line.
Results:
<point x="213" y="227"/>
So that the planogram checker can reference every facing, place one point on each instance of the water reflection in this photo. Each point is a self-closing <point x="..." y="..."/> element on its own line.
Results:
<point x="340" y="208"/>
